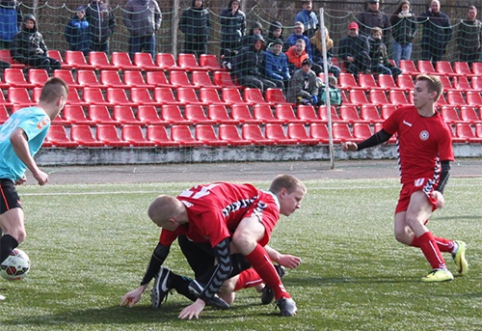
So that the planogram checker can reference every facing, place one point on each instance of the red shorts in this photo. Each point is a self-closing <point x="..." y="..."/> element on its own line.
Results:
<point x="425" y="185"/>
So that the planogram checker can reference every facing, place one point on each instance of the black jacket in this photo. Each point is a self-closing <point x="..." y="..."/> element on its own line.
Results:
<point x="101" y="21"/>
<point x="28" y="42"/>
<point x="195" y="22"/>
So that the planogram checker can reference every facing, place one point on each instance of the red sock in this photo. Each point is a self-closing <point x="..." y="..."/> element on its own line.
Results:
<point x="247" y="278"/>
<point x="431" y="251"/>
<point x="444" y="245"/>
<point x="261" y="262"/>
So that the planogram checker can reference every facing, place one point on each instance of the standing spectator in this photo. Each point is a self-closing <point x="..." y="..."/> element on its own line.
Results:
<point x="102" y="23"/>
<point x="11" y="19"/>
<point x="298" y="30"/>
<point x="303" y="88"/>
<point x="142" y="18"/>
<point x="469" y="38"/>
<point x="256" y="28"/>
<point x="374" y="17"/>
<point x="77" y="32"/>
<point x="275" y="32"/>
<point x="404" y="28"/>
<point x="297" y="54"/>
<point x="436" y="33"/>
<point x="276" y="64"/>
<point x="233" y="29"/>
<point x="195" y="23"/>
<point x="317" y="47"/>
<point x="379" y="56"/>
<point x="354" y="51"/>
<point x="28" y="47"/>
<point x="308" y="18"/>
<point x="248" y="65"/>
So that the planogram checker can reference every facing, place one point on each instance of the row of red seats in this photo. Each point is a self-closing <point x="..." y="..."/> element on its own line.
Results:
<point x="442" y="68"/>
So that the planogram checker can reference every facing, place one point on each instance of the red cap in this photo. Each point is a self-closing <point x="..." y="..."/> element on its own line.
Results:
<point x="353" y="25"/>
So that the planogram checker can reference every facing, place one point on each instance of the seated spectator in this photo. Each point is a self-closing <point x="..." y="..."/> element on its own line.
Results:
<point x="303" y="89"/>
<point x="276" y="64"/>
<point x="296" y="55"/>
<point x="77" y="32"/>
<point x="28" y="47"/>
<point x="248" y="65"/>
<point x="308" y="17"/>
<point x="379" y="56"/>
<point x="256" y="28"/>
<point x="10" y="18"/>
<point x="275" y="32"/>
<point x="354" y="51"/>
<point x="298" y="34"/>
<point x="317" y="47"/>
<point x="335" y="92"/>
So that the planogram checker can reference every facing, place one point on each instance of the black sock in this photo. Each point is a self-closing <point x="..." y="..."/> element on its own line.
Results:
<point x="7" y="245"/>
<point x="181" y="285"/>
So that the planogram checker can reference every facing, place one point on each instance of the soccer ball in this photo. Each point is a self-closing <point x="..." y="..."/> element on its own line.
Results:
<point x="16" y="266"/>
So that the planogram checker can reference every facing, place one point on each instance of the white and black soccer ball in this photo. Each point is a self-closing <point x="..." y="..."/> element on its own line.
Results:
<point x="16" y="266"/>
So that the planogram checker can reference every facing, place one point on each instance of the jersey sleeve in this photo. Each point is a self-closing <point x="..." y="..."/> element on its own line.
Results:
<point x="167" y="237"/>
<point x="391" y="123"/>
<point x="446" y="152"/>
<point x="35" y="125"/>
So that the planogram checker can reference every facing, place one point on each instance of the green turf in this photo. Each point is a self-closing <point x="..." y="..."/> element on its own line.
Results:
<point x="90" y="244"/>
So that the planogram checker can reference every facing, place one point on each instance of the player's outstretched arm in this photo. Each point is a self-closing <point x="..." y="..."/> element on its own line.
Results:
<point x="132" y="297"/>
<point x="378" y="138"/>
<point x="349" y="146"/>
<point x="286" y="260"/>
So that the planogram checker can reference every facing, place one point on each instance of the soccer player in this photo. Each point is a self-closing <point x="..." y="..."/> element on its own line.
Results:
<point x="21" y="137"/>
<point x="219" y="213"/>
<point x="425" y="153"/>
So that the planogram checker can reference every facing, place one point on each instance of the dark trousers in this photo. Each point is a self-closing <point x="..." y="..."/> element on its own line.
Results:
<point x="432" y="53"/>
<point x="43" y="62"/>
<point x="147" y="44"/>
<point x="195" y="45"/>
<point x="257" y="82"/>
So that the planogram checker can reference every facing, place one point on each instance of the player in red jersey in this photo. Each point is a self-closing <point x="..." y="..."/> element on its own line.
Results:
<point x="214" y="214"/>
<point x="425" y="152"/>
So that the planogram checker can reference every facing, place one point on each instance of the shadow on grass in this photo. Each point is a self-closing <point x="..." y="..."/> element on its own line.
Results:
<point x="307" y="281"/>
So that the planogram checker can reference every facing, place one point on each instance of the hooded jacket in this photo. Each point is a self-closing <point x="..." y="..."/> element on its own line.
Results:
<point x="195" y="21"/>
<point x="28" y="42"/>
<point x="247" y="39"/>
<point x="233" y="27"/>
<point x="101" y="21"/>
<point x="11" y="18"/>
<point x="77" y="32"/>
<point x="436" y="29"/>
<point x="249" y="61"/>
<point x="273" y="26"/>
<point x="142" y="17"/>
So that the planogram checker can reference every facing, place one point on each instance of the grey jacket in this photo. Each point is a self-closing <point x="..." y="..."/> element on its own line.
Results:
<point x="142" y="17"/>
<point x="302" y="85"/>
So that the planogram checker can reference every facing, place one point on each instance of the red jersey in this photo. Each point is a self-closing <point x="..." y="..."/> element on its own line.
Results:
<point x="215" y="210"/>
<point x="422" y="143"/>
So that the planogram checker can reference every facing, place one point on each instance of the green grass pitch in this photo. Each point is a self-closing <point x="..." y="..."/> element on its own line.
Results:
<point x="90" y="244"/>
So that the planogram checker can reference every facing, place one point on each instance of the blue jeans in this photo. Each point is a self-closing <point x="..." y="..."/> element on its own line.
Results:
<point x="401" y="52"/>
<point x="146" y="44"/>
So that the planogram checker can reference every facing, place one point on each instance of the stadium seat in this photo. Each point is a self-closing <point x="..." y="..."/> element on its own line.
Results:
<point x="94" y="95"/>
<point x="188" y="62"/>
<point x="379" y="98"/>
<point x="118" y="96"/>
<point x="347" y="81"/>
<point x="253" y="133"/>
<point x="196" y="115"/>
<point x="19" y="96"/>
<point x="264" y="113"/>
<point x="122" y="61"/>
<point x="134" y="78"/>
<point x="230" y="133"/>
<point x="469" y="115"/>
<point x="206" y="134"/>
<point x="349" y="114"/>
<point x="341" y="132"/>
<point x="370" y="113"/>
<point x="209" y="62"/>
<point x="358" y="98"/>
<point x="440" y="102"/>
<point x="387" y="110"/>
<point x="76" y="60"/>
<point x="275" y="131"/>
<point x="55" y="54"/>
<point x="142" y="96"/>
<point x="223" y="79"/>
<point x="36" y="94"/>
<point x="361" y="131"/>
<point x="82" y="134"/>
<point x="445" y="68"/>
<point x="253" y="96"/>
<point x="111" y="78"/>
<point x="148" y="114"/>
<point x="58" y="137"/>
<point x="464" y="132"/>
<point x="160" y="136"/>
<point x="446" y="83"/>
<point x="286" y="114"/>
<point x="157" y="78"/>
<point x="75" y="114"/>
<point x="319" y="131"/>
<point x="134" y="135"/>
<point x="473" y="98"/>
<point x="165" y="96"/>
<point x="220" y="114"/>
<point x="231" y="96"/>
<point x="307" y="114"/>
<point x="100" y="61"/>
<point x="450" y="114"/>
<point x="173" y="115"/>
<point x="297" y="131"/>
<point x="477" y="68"/>
<point x="334" y="115"/>
<point x="426" y="67"/>
<point x="405" y="82"/>
<point x="6" y="56"/>
<point x="179" y="78"/>
<point x="408" y="68"/>
<point x="14" y="77"/>
<point x="124" y="115"/>
<point x="37" y="77"/>
<point x="67" y="76"/>
<point x="88" y="78"/>
<point x="210" y="96"/>
<point x="463" y="69"/>
<point x="74" y="98"/>
<point x="242" y="114"/>
<point x="3" y="101"/>
<point x="462" y="83"/>
<point x="3" y="114"/>
<point x="201" y="79"/>
<point x="107" y="133"/>
<point x="476" y="82"/>
<point x="100" y="115"/>
<point x="455" y="98"/>
<point x="275" y="96"/>
<point x="188" y="96"/>
<point x="398" y="98"/>
<point x="478" y="130"/>
<point x="182" y="134"/>
<point x="146" y="62"/>
<point x="387" y="82"/>
<point x="166" y="61"/>
<point x="367" y="81"/>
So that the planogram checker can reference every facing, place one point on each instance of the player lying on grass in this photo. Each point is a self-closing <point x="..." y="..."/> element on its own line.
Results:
<point x="425" y="152"/>
<point x="221" y="214"/>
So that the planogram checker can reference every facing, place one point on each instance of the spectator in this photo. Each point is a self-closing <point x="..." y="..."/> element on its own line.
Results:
<point x="102" y="23"/>
<point x="248" y="65"/>
<point x="298" y="34"/>
<point x="374" y="17"/>
<point x="233" y="29"/>
<point x="335" y="92"/>
<point x="436" y="33"/>
<point x="195" y="23"/>
<point x="308" y="18"/>
<point x="142" y="18"/>
<point x="317" y="47"/>
<point x="404" y="28"/>
<point x="256" y="28"/>
<point x="354" y="51"/>
<point x="275" y="32"/>
<point x="297" y="54"/>
<point x="77" y="32"/>
<point x="276" y="64"/>
<point x="28" y="47"/>
<point x="303" y="88"/>
<point x="379" y="56"/>
<point x="469" y="35"/>
<point x="11" y="18"/>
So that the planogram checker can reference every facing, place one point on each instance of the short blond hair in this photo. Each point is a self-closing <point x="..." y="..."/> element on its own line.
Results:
<point x="434" y="84"/>
<point x="288" y="182"/>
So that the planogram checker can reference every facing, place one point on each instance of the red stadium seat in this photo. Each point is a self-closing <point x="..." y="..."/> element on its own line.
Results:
<point x="67" y="76"/>
<point x="142" y="96"/>
<point x="100" y="114"/>
<point x="146" y="62"/>
<point x="74" y="98"/>
<point x="100" y="61"/>
<point x="196" y="114"/>
<point x="124" y="115"/>
<point x="157" y="78"/>
<point x="464" y="132"/>
<point x="468" y="114"/>
<point x="426" y="67"/>
<point x="286" y="114"/>
<point x="188" y="62"/>
<point x="297" y="131"/>
<point x="55" y="54"/>
<point x="3" y="101"/>
<point x="370" y="114"/>
<point x="134" y="135"/>
<point x="450" y="114"/>
<point x="387" y="110"/>
<point x="148" y="114"/>
<point x="242" y="114"/>
<point x="253" y="96"/>
<point x="182" y="134"/>
<point x="220" y="114"/>
<point x="107" y="133"/>
<point x="94" y="95"/>
<point x="3" y="113"/>
<point x="275" y="96"/>
<point x="206" y="134"/>
<point x="230" y="133"/>
<point x="118" y="96"/>
<point x="307" y="114"/>
<point x="445" y="68"/>
<point x="378" y="97"/>
<point x="474" y="98"/>
<point x="455" y="98"/>
<point x="210" y="96"/>
<point x="253" y="132"/>
<point x="201" y="79"/>
<point x="160" y="136"/>
<point x="165" y="96"/>
<point x="477" y="68"/>
<point x="173" y="115"/>
<point x="348" y="82"/>
<point x="405" y="82"/>
<point x="276" y="132"/>
<point x="361" y="131"/>
<point x="37" y="77"/>
<point x="387" y="83"/>
<point x="58" y="137"/>
<point x="110" y="78"/>
<point x="122" y="61"/>
<point x="134" y="78"/>
<point x="14" y="77"/>
<point x="264" y="113"/>
<point x="232" y="96"/>
<point x="462" y="83"/>
<point x="349" y="114"/>
<point x="76" y="60"/>
<point x="341" y="132"/>
<point x="334" y="115"/>
<point x="463" y="69"/>
<point x="82" y="134"/>
<point x="408" y="68"/>
<point x="166" y="61"/>
<point x="446" y="83"/>
<point x="6" y="56"/>
<point x="209" y="62"/>
<point x="223" y="79"/>
<point x="75" y="114"/>
<point x="188" y="96"/>
<point x="180" y="79"/>
<point x="319" y="131"/>
<point x="88" y="78"/>
<point x="398" y="98"/>
<point x="476" y="83"/>
<point x="367" y="81"/>
<point x="478" y="130"/>
<point x="358" y="98"/>
<point x="19" y="96"/>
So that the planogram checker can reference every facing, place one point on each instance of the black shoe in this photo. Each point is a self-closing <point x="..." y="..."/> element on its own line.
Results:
<point x="196" y="289"/>
<point x="287" y="307"/>
<point x="160" y="290"/>
<point x="267" y="294"/>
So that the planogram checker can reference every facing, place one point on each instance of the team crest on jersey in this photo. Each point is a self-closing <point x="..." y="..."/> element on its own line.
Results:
<point x="424" y="135"/>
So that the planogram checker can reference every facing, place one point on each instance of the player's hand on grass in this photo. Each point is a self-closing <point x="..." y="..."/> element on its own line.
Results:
<point x="131" y="298"/>
<point x="289" y="261"/>
<point x="349" y="146"/>
<point x="193" y="310"/>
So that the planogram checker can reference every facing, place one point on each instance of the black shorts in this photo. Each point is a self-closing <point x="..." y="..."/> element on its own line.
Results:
<point x="8" y="196"/>
<point x="200" y="256"/>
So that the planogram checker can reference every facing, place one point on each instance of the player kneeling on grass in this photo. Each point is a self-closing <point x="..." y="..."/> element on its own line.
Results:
<point x="425" y="152"/>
